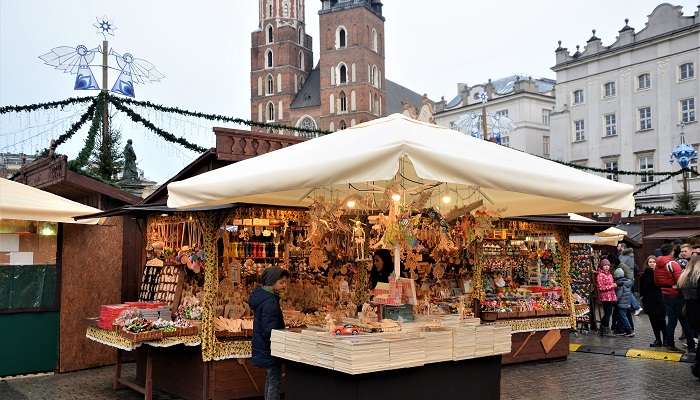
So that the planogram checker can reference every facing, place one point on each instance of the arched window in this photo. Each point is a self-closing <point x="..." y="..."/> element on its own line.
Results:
<point x="269" y="62"/>
<point x="342" y="125"/>
<point x="270" y="112"/>
<point x="342" y="74"/>
<point x="341" y="38"/>
<point x="270" y="85"/>
<point x="269" y="8"/>
<point x="373" y="78"/>
<point x="270" y="36"/>
<point x="375" y="41"/>
<point x="301" y="60"/>
<point x="331" y="127"/>
<point x="301" y="81"/>
<point x="285" y="8"/>
<point x="307" y="123"/>
<point x="301" y="37"/>
<point x="343" y="102"/>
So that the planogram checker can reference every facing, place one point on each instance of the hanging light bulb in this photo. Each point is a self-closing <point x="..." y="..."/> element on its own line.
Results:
<point x="351" y="203"/>
<point x="446" y="199"/>
<point x="396" y="197"/>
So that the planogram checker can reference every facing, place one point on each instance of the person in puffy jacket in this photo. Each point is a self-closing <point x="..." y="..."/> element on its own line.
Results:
<point x="264" y="301"/>
<point x="689" y="285"/>
<point x="606" y="294"/>
<point x="623" y="291"/>
<point x="653" y="302"/>
<point x="666" y="276"/>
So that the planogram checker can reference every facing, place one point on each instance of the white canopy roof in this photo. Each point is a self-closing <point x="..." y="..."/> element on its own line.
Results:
<point x="19" y="201"/>
<point x="377" y="151"/>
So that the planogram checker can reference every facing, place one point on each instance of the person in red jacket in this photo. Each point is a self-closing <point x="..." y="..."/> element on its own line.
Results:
<point x="606" y="286"/>
<point x="666" y="276"/>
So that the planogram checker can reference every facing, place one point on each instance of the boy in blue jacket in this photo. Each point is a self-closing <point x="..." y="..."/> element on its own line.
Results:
<point x="265" y="303"/>
<point x="624" y="301"/>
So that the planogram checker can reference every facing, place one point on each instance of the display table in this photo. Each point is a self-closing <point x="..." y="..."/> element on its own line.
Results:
<point x="537" y="339"/>
<point x="174" y="365"/>
<point x="478" y="378"/>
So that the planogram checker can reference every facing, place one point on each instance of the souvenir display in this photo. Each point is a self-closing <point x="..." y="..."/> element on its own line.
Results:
<point x="582" y="267"/>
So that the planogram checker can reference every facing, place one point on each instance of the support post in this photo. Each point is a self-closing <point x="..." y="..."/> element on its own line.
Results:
<point x="105" y="91"/>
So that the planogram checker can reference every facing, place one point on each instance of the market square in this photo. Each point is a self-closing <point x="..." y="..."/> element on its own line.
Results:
<point x="238" y="201"/>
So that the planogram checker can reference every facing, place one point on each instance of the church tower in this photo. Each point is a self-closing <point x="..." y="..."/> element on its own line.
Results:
<point x="281" y="60"/>
<point x="351" y="62"/>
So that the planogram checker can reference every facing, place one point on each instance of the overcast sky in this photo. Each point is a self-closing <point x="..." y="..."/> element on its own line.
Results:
<point x="203" y="48"/>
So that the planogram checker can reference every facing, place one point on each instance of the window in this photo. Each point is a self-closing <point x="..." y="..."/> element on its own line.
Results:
<point x="269" y="62"/>
<point x="580" y="132"/>
<point x="343" y="74"/>
<point x="693" y="166"/>
<point x="646" y="164"/>
<point x="578" y="96"/>
<point x="270" y="35"/>
<point x="28" y="270"/>
<point x="270" y="85"/>
<point x="343" y="102"/>
<point x="545" y="116"/>
<point x="270" y="112"/>
<point x="545" y="146"/>
<point x="307" y="123"/>
<point x="269" y="8"/>
<point x="285" y="9"/>
<point x="611" y="166"/>
<point x="342" y="125"/>
<point x="341" y="38"/>
<point x="505" y="141"/>
<point x="610" y="125"/>
<point x="609" y="89"/>
<point x="301" y="37"/>
<point x="644" y="81"/>
<point x="375" y="41"/>
<point x="644" y="118"/>
<point x="502" y="113"/>
<point x="301" y="60"/>
<point x="373" y="76"/>
<point x="688" y="110"/>
<point x="687" y="71"/>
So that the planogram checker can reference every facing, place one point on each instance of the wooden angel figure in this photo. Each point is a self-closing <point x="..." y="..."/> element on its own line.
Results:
<point x="358" y="235"/>
<point x="330" y="323"/>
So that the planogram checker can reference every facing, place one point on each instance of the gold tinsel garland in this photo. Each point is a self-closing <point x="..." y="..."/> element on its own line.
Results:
<point x="565" y="274"/>
<point x="535" y="324"/>
<point x="235" y="349"/>
<point x="113" y="339"/>
<point x="208" y="224"/>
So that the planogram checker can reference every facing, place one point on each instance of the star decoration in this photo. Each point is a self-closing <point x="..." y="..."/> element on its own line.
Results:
<point x="104" y="27"/>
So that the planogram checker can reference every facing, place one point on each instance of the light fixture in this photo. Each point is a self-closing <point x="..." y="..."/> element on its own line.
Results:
<point x="446" y="199"/>
<point x="396" y="197"/>
<point x="47" y="230"/>
<point x="351" y="204"/>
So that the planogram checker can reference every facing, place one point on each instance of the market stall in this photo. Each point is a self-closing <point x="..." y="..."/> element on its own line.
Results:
<point x="433" y="197"/>
<point x="32" y="238"/>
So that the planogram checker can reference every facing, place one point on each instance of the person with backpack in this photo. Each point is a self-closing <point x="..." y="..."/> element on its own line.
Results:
<point x="666" y="276"/>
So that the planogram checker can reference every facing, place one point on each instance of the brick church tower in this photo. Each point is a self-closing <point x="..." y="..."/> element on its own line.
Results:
<point x="281" y="60"/>
<point x="351" y="63"/>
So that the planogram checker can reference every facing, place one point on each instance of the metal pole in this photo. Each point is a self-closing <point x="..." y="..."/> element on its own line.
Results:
<point x="105" y="90"/>
<point x="484" y="125"/>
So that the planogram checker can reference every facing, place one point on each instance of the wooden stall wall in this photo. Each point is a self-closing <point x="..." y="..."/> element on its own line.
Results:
<point x="133" y="257"/>
<point x="91" y="276"/>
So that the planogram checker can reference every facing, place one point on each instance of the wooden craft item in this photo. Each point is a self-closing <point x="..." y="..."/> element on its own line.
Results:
<point x="550" y="339"/>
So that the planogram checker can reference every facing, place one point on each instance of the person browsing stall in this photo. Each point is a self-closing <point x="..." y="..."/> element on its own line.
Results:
<point x="265" y="303"/>
<point x="382" y="267"/>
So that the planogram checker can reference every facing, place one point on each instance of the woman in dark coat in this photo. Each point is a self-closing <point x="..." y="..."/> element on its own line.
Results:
<point x="689" y="285"/>
<point x="382" y="267"/>
<point x="652" y="301"/>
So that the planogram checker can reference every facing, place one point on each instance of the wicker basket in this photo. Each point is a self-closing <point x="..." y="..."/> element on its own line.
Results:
<point x="142" y="336"/>
<point x="191" y="331"/>
<point x="489" y="315"/>
<point x="170" y="334"/>
<point x="234" y="335"/>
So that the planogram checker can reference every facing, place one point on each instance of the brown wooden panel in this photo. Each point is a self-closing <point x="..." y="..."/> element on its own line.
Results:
<point x="228" y="380"/>
<point x="534" y="350"/>
<point x="133" y="258"/>
<point x="91" y="262"/>
<point x="176" y="370"/>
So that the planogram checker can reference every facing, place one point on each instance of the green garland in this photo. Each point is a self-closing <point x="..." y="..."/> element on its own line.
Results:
<point x="657" y="183"/>
<point x="84" y="155"/>
<point x="615" y="171"/>
<point x="136" y="117"/>
<point x="46" y="106"/>
<point x="213" y="117"/>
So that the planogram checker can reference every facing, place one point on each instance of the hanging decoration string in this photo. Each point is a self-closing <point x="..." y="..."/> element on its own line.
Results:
<point x="136" y="117"/>
<point x="657" y="183"/>
<point x="611" y="171"/>
<point x="84" y="155"/>
<point x="74" y="128"/>
<point x="46" y="106"/>
<point x="213" y="117"/>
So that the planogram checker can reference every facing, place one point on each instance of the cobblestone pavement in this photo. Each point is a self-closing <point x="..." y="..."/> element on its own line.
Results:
<point x="643" y="337"/>
<point x="582" y="376"/>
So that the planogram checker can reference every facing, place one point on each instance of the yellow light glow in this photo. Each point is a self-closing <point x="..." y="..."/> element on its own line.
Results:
<point x="351" y="204"/>
<point x="396" y="197"/>
<point x="446" y="199"/>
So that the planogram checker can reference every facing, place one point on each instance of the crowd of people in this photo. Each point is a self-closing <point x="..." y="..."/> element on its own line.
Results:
<point x="669" y="290"/>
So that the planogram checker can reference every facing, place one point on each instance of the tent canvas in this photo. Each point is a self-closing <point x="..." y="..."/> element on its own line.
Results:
<point x="397" y="150"/>
<point x="19" y="201"/>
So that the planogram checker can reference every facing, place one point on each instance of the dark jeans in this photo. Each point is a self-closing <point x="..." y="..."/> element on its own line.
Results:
<point x="674" y="307"/>
<point x="272" y="382"/>
<point x="607" y="313"/>
<point x="658" y="325"/>
<point x="624" y="323"/>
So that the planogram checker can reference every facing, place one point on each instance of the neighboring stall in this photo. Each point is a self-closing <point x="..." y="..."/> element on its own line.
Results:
<point x="428" y="194"/>
<point x="32" y="241"/>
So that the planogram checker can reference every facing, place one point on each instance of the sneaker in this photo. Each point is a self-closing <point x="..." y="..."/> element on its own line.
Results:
<point x="682" y="337"/>
<point x="674" y="349"/>
<point x="631" y="334"/>
<point x="656" y="344"/>
<point x="639" y="311"/>
<point x="620" y="334"/>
